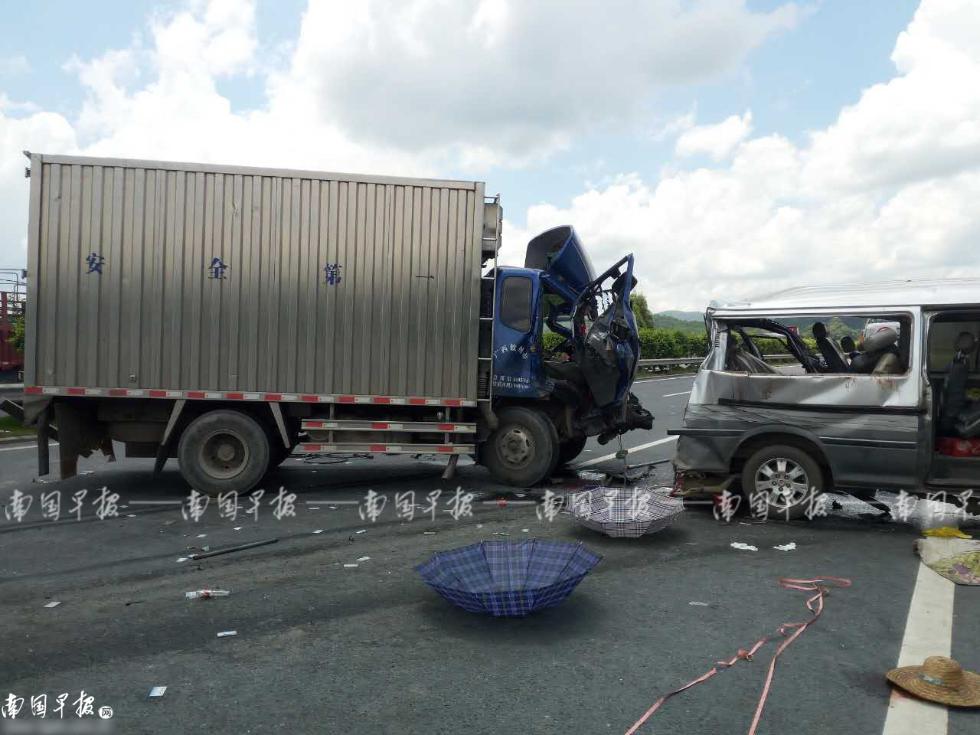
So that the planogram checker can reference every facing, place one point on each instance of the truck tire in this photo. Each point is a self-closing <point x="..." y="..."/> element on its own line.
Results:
<point x="789" y="476"/>
<point x="570" y="449"/>
<point x="523" y="450"/>
<point x="223" y="451"/>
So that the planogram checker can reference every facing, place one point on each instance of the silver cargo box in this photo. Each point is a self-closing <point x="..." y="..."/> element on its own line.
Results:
<point x="145" y="274"/>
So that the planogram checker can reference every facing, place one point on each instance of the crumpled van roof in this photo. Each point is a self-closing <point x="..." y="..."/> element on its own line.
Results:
<point x="885" y="294"/>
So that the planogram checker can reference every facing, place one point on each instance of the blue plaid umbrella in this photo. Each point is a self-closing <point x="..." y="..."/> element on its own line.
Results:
<point x="508" y="578"/>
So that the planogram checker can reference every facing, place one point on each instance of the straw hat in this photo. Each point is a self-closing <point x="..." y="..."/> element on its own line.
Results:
<point x="939" y="679"/>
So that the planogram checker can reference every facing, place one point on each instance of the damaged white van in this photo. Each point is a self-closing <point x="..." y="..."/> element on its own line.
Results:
<point x="877" y="387"/>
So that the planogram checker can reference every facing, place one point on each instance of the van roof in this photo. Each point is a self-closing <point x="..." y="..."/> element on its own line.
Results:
<point x="940" y="292"/>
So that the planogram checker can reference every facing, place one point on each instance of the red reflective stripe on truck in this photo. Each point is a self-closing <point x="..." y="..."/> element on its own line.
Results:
<point x="379" y="425"/>
<point x="51" y="390"/>
<point x="378" y="448"/>
<point x="444" y="448"/>
<point x="447" y="427"/>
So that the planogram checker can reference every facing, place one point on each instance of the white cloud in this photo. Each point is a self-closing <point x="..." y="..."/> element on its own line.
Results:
<point x="889" y="190"/>
<point x="716" y="141"/>
<point x="506" y="80"/>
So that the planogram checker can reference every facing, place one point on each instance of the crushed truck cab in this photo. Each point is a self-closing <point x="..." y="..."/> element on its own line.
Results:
<point x="229" y="317"/>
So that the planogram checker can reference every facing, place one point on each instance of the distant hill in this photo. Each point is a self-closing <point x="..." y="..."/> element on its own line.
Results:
<point x="663" y="320"/>
<point x="684" y="316"/>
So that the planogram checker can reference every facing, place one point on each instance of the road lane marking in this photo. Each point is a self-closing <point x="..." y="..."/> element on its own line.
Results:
<point x="637" y="448"/>
<point x="928" y="632"/>
<point x="671" y="395"/>
<point x="23" y="446"/>
<point x="657" y="380"/>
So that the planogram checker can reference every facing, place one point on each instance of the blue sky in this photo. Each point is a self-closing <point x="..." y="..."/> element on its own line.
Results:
<point x="612" y="123"/>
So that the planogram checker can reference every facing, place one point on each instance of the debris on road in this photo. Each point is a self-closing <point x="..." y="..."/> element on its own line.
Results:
<point x="237" y="528"/>
<point x="53" y="603"/>
<point x="364" y="558"/>
<point x="698" y="604"/>
<point x="956" y="559"/>
<point x="205" y="594"/>
<point x="428" y="533"/>
<point x="743" y="546"/>
<point x="791" y="546"/>
<point x="622" y="512"/>
<point x="230" y="549"/>
<point x="227" y="633"/>
<point x="363" y="530"/>
<point x="182" y="559"/>
<point x="350" y="566"/>
<point x="946" y="532"/>
<point x="319" y="530"/>
<point x="202" y="535"/>
<point x="939" y="679"/>
<point x="157" y="691"/>
<point x="508" y="578"/>
<point x="819" y="586"/>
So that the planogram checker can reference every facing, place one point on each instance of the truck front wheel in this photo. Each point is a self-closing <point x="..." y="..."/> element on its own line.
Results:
<point x="523" y="450"/>
<point x="223" y="451"/>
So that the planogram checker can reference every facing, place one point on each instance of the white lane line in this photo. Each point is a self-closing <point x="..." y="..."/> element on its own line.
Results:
<point x="682" y="393"/>
<point x="928" y="632"/>
<point x="21" y="447"/>
<point x="640" y="447"/>
<point x="657" y="380"/>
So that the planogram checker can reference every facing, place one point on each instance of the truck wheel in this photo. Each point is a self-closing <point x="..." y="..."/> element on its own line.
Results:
<point x="523" y="450"/>
<point x="570" y="449"/>
<point x="223" y="451"/>
<point x="786" y="476"/>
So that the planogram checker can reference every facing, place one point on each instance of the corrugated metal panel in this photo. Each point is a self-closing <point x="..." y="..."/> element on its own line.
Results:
<point x="157" y="275"/>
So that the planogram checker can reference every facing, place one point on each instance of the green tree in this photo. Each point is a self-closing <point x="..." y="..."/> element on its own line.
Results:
<point x="644" y="317"/>
<point x="17" y="333"/>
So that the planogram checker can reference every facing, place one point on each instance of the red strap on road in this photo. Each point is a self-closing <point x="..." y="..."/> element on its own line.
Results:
<point x="820" y="586"/>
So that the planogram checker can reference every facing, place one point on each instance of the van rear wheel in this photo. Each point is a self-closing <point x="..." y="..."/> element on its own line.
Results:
<point x="223" y="451"/>
<point x="781" y="481"/>
<point x="523" y="449"/>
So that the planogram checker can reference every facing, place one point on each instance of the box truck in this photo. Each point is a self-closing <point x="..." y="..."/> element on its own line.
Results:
<point x="229" y="317"/>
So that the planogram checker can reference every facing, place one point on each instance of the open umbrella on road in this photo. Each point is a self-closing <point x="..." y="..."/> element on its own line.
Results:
<point x="623" y="512"/>
<point x="508" y="578"/>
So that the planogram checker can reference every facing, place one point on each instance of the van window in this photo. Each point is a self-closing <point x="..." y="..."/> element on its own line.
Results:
<point x="515" y="303"/>
<point x="943" y="333"/>
<point x="836" y="344"/>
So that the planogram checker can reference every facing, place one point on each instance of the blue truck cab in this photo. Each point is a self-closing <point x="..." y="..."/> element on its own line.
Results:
<point x="547" y="400"/>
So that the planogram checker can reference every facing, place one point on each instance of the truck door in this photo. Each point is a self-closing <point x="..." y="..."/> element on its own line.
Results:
<point x="516" y="357"/>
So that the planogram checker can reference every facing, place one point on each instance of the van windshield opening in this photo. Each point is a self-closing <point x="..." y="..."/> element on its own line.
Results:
<point x="806" y="345"/>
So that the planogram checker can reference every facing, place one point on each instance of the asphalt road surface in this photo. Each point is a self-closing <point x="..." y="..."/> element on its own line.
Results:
<point x="324" y="647"/>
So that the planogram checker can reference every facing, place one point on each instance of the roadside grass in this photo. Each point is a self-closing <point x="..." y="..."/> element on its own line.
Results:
<point x="9" y="427"/>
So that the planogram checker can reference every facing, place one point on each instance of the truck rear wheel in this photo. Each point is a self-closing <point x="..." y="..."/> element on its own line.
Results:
<point x="523" y="450"/>
<point x="223" y="451"/>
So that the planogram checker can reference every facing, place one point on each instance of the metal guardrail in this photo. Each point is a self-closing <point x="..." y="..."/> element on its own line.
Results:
<point x="695" y="360"/>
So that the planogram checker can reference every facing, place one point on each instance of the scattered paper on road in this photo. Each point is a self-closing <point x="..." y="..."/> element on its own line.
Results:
<point x="364" y="558"/>
<point x="363" y="530"/>
<point x="698" y="604"/>
<point x="350" y="566"/>
<point x="743" y="546"/>
<point x="53" y="603"/>
<point x="227" y="633"/>
<point x="785" y="547"/>
<point x="157" y="691"/>
<point x="319" y="530"/>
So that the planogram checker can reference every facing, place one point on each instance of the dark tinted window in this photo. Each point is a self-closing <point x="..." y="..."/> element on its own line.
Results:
<point x="515" y="303"/>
